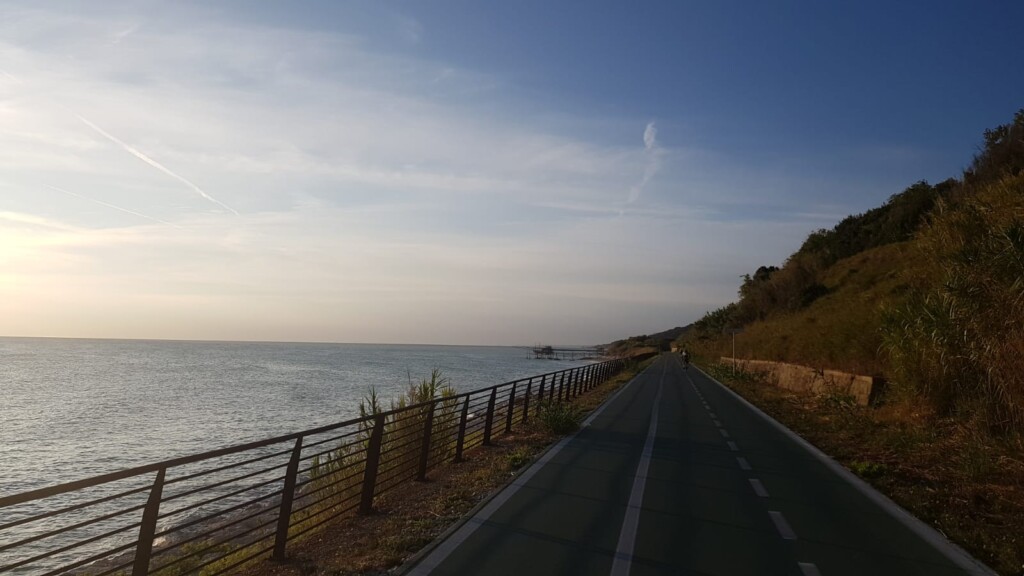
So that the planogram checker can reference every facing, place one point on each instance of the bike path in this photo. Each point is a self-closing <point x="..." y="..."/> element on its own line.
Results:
<point x="676" y="475"/>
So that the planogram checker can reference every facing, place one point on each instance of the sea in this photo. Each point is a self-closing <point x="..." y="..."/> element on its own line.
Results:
<point x="75" y="408"/>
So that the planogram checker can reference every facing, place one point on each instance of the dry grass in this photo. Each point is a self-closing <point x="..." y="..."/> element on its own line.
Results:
<point x="410" y="518"/>
<point x="970" y="486"/>
<point x="840" y="330"/>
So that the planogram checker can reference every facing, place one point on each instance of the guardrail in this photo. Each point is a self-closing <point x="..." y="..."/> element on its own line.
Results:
<point x="211" y="512"/>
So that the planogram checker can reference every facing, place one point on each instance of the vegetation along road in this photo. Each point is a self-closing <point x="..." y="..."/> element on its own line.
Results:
<point x="675" y="474"/>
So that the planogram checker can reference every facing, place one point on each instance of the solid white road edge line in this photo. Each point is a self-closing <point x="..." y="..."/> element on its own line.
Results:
<point x="453" y="540"/>
<point x="623" y="561"/>
<point x="955" y="553"/>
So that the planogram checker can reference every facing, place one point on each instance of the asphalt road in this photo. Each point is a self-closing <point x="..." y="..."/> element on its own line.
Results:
<point x="677" y="475"/>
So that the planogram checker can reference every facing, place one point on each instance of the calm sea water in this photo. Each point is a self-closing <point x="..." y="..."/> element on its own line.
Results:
<point x="70" y="409"/>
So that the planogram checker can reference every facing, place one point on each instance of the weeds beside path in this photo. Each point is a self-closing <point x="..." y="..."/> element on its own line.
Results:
<point x="968" y="485"/>
<point x="406" y="520"/>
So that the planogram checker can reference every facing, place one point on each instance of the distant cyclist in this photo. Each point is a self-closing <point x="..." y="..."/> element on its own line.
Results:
<point x="686" y="359"/>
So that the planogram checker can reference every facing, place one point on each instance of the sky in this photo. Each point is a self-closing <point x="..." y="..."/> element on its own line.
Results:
<point x="450" y="172"/>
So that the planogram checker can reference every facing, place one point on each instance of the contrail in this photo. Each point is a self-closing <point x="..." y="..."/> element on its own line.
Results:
<point x="102" y="203"/>
<point x="135" y="152"/>
<point x="653" y="163"/>
<point x="650" y="136"/>
<point x="11" y="77"/>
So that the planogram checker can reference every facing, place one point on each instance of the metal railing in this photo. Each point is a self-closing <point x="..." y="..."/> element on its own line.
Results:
<point x="211" y="512"/>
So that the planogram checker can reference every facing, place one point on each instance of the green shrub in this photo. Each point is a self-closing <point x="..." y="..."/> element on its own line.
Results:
<point x="336" y="476"/>
<point x="868" y="469"/>
<point x="519" y="458"/>
<point x="560" y="417"/>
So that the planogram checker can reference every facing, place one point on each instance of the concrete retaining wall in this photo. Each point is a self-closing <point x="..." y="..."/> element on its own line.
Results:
<point x="808" y="380"/>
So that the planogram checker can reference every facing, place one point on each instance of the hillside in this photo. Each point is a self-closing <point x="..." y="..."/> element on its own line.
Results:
<point x="926" y="290"/>
<point x="646" y="342"/>
<point x="842" y="328"/>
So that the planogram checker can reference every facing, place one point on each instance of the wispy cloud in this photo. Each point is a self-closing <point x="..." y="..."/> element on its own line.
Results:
<point x="385" y="193"/>
<point x="653" y="155"/>
<point x="124" y="33"/>
<point x="141" y="156"/>
<point x="10" y="77"/>
<point x="109" y="205"/>
<point x="33" y="220"/>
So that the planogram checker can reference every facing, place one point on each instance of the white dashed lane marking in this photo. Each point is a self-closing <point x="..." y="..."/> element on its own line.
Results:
<point x="785" y="530"/>
<point x="758" y="488"/>
<point x="808" y="569"/>
<point x="781" y="525"/>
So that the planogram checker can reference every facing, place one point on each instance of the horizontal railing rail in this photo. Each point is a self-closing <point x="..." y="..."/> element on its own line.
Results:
<point x="209" y="513"/>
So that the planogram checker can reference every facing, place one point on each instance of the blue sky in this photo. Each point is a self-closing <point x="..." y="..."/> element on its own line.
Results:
<point x="458" y="172"/>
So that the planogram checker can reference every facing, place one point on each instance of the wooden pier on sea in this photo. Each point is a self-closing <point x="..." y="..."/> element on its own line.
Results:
<point x="553" y="353"/>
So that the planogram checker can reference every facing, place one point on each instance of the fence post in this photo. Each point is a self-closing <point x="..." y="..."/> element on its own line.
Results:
<point x="540" y="396"/>
<point x="287" y="497"/>
<point x="577" y="381"/>
<point x="428" y="428"/>
<point x="144" y="548"/>
<point x="526" y="400"/>
<point x="511" y="408"/>
<point x="461" y="441"/>
<point x="551" y="390"/>
<point x="372" y="464"/>
<point x="489" y="423"/>
<point x="561" y="388"/>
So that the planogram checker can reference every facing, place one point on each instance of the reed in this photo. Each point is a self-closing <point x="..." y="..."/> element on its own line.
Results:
<point x="959" y="340"/>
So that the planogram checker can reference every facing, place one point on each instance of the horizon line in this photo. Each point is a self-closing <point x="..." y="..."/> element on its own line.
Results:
<point x="223" y="341"/>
